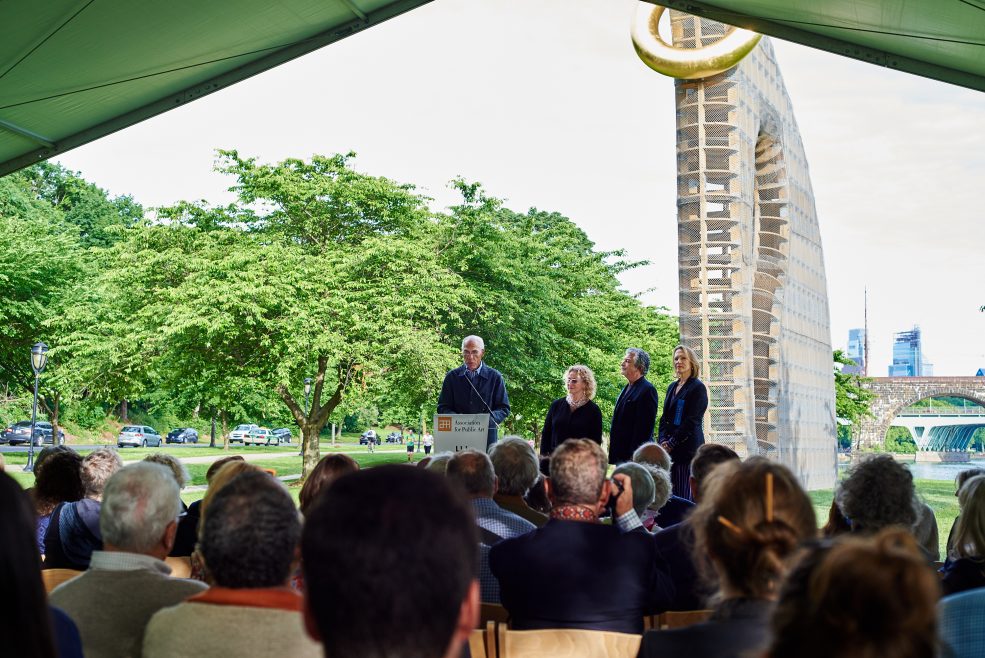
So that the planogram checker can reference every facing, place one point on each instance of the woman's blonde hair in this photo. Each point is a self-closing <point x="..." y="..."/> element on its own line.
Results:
<point x="969" y="531"/>
<point x="586" y="374"/>
<point x="692" y="357"/>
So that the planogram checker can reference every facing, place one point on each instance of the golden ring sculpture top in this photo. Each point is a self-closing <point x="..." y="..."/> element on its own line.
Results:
<point x="687" y="63"/>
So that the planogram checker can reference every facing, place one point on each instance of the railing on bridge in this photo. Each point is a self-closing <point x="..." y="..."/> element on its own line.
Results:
<point x="943" y="411"/>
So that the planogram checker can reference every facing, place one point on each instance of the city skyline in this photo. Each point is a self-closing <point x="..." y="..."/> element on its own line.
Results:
<point x="546" y="104"/>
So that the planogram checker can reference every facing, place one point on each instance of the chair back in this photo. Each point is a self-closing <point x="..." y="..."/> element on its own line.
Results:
<point x="477" y="643"/>
<point x="682" y="618"/>
<point x="181" y="567"/>
<point x="492" y="612"/>
<point x="566" y="643"/>
<point x="54" y="577"/>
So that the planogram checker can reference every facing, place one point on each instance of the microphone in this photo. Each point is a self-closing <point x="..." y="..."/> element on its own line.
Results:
<point x="479" y="395"/>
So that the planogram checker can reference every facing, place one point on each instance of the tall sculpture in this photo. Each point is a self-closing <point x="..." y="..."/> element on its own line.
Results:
<point x="753" y="294"/>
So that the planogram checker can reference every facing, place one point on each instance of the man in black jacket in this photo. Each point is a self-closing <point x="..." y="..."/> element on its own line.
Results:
<point x="635" y="414"/>
<point x="475" y="388"/>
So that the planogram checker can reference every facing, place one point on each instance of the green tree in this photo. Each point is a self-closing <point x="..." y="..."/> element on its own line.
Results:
<point x="852" y="399"/>
<point x="899" y="439"/>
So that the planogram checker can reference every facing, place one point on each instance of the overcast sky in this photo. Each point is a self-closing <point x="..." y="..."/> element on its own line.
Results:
<point x="546" y="104"/>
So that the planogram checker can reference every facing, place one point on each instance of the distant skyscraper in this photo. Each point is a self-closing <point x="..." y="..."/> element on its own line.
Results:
<point x="908" y="358"/>
<point x="856" y="351"/>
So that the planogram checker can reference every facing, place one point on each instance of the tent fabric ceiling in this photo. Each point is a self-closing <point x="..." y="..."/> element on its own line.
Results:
<point x="939" y="39"/>
<point x="72" y="71"/>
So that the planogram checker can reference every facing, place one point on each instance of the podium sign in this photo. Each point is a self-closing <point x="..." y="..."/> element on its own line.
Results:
<point x="457" y="432"/>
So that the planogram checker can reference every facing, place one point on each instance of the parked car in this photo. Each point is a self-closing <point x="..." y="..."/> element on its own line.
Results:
<point x="367" y="436"/>
<point x="182" y="435"/>
<point x="283" y="435"/>
<point x="262" y="436"/>
<point x="394" y="437"/>
<point x="20" y="431"/>
<point x="242" y="432"/>
<point x="138" y="436"/>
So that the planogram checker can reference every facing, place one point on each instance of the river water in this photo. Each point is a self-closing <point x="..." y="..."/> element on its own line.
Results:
<point x="934" y="471"/>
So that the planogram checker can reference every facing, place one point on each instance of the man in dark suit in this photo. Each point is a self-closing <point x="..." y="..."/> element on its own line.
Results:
<point x="475" y="388"/>
<point x="635" y="414"/>
<point x="576" y="572"/>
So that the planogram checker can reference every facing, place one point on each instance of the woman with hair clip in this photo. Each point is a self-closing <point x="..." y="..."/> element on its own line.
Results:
<point x="680" y="432"/>
<point x="749" y="523"/>
<point x="30" y="628"/>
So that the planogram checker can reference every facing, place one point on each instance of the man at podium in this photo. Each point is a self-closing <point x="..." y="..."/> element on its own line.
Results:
<point x="474" y="388"/>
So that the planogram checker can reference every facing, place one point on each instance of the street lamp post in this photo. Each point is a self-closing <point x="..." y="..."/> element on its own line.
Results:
<point x="307" y="391"/>
<point x="39" y="359"/>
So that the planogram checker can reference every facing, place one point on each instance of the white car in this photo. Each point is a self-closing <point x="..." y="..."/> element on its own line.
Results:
<point x="242" y="432"/>
<point x="262" y="436"/>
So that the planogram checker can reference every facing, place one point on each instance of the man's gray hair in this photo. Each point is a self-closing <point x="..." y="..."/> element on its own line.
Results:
<point x="475" y="339"/>
<point x="640" y="359"/>
<point x="178" y="469"/>
<point x="662" y="487"/>
<point x="139" y="502"/>
<point x="439" y="462"/>
<point x="516" y="465"/>
<point x="642" y="481"/>
<point x="578" y="469"/>
<point x="474" y="471"/>
<point x="652" y="453"/>
<point x="97" y="468"/>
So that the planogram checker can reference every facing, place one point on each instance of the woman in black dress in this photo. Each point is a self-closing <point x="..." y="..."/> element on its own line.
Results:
<point x="574" y="416"/>
<point x="680" y="431"/>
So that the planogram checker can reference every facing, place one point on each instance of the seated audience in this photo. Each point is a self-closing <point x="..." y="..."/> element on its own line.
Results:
<point x="439" y="462"/>
<point x="73" y="531"/>
<point x="220" y="478"/>
<point x="877" y="493"/>
<point x="187" y="537"/>
<point x="662" y="492"/>
<point x="855" y="597"/>
<point x="959" y="481"/>
<point x="837" y="523"/>
<point x="29" y="627"/>
<point x="965" y="566"/>
<point x="128" y="581"/>
<point x="517" y="468"/>
<point x="576" y="572"/>
<point x="925" y="529"/>
<point x="749" y="524"/>
<point x="676" y="543"/>
<point x="676" y="508"/>
<point x="961" y="624"/>
<point x="57" y="479"/>
<point x="408" y="566"/>
<point x="473" y="470"/>
<point x="644" y="488"/>
<point x="249" y="538"/>
<point x="328" y="469"/>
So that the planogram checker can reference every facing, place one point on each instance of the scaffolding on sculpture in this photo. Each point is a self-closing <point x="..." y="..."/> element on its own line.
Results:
<point x="753" y="295"/>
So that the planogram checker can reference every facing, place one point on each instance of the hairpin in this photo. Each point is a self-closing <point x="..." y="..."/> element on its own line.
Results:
<point x="731" y="526"/>
<point x="769" y="497"/>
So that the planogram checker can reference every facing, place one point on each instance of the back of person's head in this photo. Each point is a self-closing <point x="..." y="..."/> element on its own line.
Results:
<point x="59" y="480"/>
<point x="220" y="479"/>
<point x="474" y="471"/>
<point x="25" y="624"/>
<point x="837" y="523"/>
<point x="642" y="483"/>
<point x="328" y="469"/>
<point x="858" y="597"/>
<point x="97" y="468"/>
<point x="439" y="462"/>
<point x="877" y="493"/>
<point x="218" y="464"/>
<point x="251" y="533"/>
<point x="178" y="470"/>
<point x="515" y="464"/>
<point x="706" y="459"/>
<point x="368" y="548"/>
<point x="47" y="452"/>
<point x="964" y="476"/>
<point x="578" y="469"/>
<point x="662" y="486"/>
<point x="652" y="453"/>
<point x="750" y="522"/>
<point x="140" y="501"/>
<point x="969" y="530"/>
<point x="536" y="497"/>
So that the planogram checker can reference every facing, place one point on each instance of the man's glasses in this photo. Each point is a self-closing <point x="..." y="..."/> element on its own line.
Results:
<point x="471" y="352"/>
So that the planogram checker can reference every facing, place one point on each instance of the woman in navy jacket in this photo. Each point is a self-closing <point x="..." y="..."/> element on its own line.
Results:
<point x="574" y="416"/>
<point x="680" y="431"/>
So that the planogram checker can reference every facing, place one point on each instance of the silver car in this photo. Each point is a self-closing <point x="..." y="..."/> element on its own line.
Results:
<point x="138" y="436"/>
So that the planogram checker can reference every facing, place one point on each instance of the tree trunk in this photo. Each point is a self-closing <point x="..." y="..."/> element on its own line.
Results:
<point x="309" y="448"/>
<point x="124" y="412"/>
<point x="225" y="432"/>
<point x="198" y="407"/>
<point x="53" y="417"/>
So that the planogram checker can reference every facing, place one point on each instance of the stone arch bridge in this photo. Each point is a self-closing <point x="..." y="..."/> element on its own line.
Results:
<point x="894" y="394"/>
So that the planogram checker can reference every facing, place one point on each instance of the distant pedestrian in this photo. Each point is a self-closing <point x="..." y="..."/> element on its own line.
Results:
<point x="410" y="448"/>
<point x="428" y="442"/>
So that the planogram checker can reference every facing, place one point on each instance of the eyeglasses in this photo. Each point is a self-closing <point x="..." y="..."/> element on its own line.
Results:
<point x="471" y="352"/>
<point x="574" y="381"/>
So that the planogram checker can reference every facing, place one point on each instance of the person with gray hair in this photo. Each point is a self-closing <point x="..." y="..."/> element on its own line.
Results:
<point x="576" y="572"/>
<point x="73" y="531"/>
<point x="250" y="538"/>
<point x="517" y="468"/>
<point x="644" y="488"/>
<point x="474" y="471"/>
<point x="439" y="462"/>
<point x="475" y="388"/>
<point x="635" y="413"/>
<point x="128" y="581"/>
<point x="675" y="509"/>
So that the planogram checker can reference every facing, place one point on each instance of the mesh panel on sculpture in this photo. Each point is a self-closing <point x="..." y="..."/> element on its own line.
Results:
<point x="753" y="294"/>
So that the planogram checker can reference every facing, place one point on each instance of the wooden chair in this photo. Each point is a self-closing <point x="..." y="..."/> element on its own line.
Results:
<point x="181" y="567"/>
<point x="680" y="619"/>
<point x="492" y="612"/>
<point x="54" y="577"/>
<point x="565" y="643"/>
<point x="477" y="644"/>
